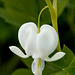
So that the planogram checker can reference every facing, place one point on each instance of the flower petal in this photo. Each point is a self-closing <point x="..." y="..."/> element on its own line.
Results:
<point x="18" y="52"/>
<point x="27" y="37"/>
<point x="57" y="56"/>
<point x="47" y="41"/>
<point x="35" y="65"/>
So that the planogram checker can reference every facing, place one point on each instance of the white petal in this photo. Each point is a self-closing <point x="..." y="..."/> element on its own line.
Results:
<point x="34" y="65"/>
<point x="57" y="56"/>
<point x="42" y="64"/>
<point x="27" y="37"/>
<point x="47" y="41"/>
<point x="18" y="52"/>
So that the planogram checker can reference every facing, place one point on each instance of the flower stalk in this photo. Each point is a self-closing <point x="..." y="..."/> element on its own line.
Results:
<point x="39" y="18"/>
<point x="53" y="12"/>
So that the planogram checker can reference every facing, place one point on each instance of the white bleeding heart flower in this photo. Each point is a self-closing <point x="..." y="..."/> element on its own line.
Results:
<point x="37" y="45"/>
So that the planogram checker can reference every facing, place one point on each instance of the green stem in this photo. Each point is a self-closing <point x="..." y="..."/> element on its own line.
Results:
<point x="53" y="11"/>
<point x="39" y="18"/>
<point x="55" y="6"/>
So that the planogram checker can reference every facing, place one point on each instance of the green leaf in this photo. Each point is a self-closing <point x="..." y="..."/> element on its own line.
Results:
<point x="50" y="69"/>
<point x="22" y="72"/>
<point x="67" y="71"/>
<point x="61" y="6"/>
<point x="47" y="70"/>
<point x="59" y="65"/>
<point x="60" y="73"/>
<point x="22" y="12"/>
<point x="72" y="63"/>
<point x="4" y="31"/>
<point x="27" y="62"/>
<point x="66" y="60"/>
<point x="71" y="4"/>
<point x="18" y="12"/>
<point x="71" y="70"/>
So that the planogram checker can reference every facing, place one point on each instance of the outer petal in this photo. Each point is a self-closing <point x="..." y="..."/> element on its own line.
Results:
<point x="57" y="56"/>
<point x="47" y="41"/>
<point x="18" y="52"/>
<point x="27" y="37"/>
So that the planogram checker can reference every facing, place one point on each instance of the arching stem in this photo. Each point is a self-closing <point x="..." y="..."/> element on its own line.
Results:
<point x="39" y="18"/>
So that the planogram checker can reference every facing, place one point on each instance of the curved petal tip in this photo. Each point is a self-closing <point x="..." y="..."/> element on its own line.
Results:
<point x="18" y="52"/>
<point x="55" y="57"/>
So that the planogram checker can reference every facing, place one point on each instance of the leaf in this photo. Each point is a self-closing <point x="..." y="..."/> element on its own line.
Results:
<point x="67" y="71"/>
<point x="4" y="31"/>
<point x="58" y="66"/>
<point x="27" y="62"/>
<point x="71" y="4"/>
<point x="22" y="72"/>
<point x="18" y="12"/>
<point x="66" y="60"/>
<point x="50" y="69"/>
<point x="72" y="63"/>
<point x="47" y="70"/>
<point x="60" y="73"/>
<point x="61" y="6"/>
<point x="22" y="12"/>
<point x="71" y="70"/>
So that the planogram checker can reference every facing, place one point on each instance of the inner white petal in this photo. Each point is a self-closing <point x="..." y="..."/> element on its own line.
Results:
<point x="34" y="65"/>
<point x="42" y="64"/>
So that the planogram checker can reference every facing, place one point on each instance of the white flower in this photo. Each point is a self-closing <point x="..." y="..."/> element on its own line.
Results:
<point x="37" y="45"/>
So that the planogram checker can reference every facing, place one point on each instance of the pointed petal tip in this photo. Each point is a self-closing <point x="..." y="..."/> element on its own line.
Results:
<point x="61" y="54"/>
<point x="10" y="47"/>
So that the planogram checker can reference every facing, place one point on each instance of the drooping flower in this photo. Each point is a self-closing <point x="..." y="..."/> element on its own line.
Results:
<point x="37" y="45"/>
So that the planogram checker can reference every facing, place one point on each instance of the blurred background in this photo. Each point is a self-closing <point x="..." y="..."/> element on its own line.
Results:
<point x="13" y="13"/>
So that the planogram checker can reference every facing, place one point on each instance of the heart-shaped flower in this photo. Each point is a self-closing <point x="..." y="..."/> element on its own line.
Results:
<point x="37" y="45"/>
